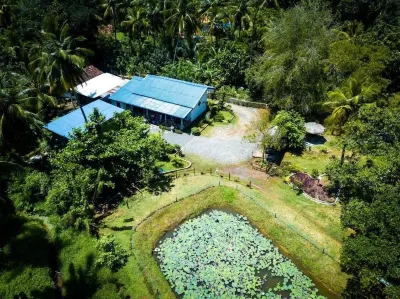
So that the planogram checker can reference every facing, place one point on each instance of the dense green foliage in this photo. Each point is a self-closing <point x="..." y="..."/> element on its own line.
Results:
<point x="369" y="190"/>
<point x="95" y="165"/>
<point x="335" y="61"/>
<point x="24" y="260"/>
<point x="112" y="255"/>
<point x="287" y="132"/>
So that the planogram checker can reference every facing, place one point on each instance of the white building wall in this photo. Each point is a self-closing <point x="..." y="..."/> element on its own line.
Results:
<point x="200" y="108"/>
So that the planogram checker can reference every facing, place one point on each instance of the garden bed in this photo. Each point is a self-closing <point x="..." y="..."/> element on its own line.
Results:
<point x="312" y="187"/>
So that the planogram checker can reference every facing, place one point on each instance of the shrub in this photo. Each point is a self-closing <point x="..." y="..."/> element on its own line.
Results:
<point x="177" y="162"/>
<point x="195" y="131"/>
<point x="201" y="123"/>
<point x="207" y="117"/>
<point x="178" y="131"/>
<point x="219" y="117"/>
<point x="112" y="255"/>
<point x="323" y="149"/>
<point x="162" y="127"/>
<point x="315" y="173"/>
<point x="288" y="168"/>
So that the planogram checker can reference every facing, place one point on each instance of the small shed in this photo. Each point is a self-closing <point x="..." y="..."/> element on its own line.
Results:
<point x="65" y="125"/>
<point x="314" y="128"/>
<point x="100" y="86"/>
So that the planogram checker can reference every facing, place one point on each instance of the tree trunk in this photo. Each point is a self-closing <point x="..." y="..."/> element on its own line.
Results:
<point x="80" y="107"/>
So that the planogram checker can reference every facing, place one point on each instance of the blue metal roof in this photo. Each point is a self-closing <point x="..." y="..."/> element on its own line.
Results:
<point x="158" y="106"/>
<point x="177" y="92"/>
<point x="64" y="125"/>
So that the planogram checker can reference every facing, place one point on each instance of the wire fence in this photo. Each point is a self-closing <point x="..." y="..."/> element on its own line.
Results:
<point x="245" y="189"/>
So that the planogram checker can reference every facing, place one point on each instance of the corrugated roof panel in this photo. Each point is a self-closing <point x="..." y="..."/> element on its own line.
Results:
<point x="164" y="90"/>
<point x="168" y="90"/>
<point x="159" y="106"/>
<point x="97" y="86"/>
<point x="64" y="125"/>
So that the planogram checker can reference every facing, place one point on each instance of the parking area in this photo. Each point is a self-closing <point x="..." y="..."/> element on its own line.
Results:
<point x="225" y="146"/>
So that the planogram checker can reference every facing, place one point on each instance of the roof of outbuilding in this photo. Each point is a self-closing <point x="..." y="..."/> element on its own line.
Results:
<point x="173" y="91"/>
<point x="64" y="125"/>
<point x="91" y="72"/>
<point x="314" y="128"/>
<point x="100" y="85"/>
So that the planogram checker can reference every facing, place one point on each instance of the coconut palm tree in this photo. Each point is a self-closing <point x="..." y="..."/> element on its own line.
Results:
<point x="136" y="23"/>
<point x="111" y="10"/>
<point x="183" y="17"/>
<point x="216" y="14"/>
<point x="17" y="115"/>
<point x="58" y="59"/>
<point x="155" y="17"/>
<point x="240" y="14"/>
<point x="345" y="101"/>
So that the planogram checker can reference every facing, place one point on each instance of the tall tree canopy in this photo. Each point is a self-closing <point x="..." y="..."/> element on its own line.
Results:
<point x="290" y="72"/>
<point x="369" y="191"/>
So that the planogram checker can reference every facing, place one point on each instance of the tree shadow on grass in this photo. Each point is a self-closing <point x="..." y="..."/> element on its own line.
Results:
<point x="28" y="247"/>
<point x="82" y="281"/>
<point x="163" y="183"/>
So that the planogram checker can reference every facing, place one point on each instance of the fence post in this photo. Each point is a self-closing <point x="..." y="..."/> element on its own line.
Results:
<point x="210" y="170"/>
<point x="176" y="174"/>
<point x="250" y="184"/>
<point x="194" y="171"/>
<point x="229" y="176"/>
<point x="219" y="183"/>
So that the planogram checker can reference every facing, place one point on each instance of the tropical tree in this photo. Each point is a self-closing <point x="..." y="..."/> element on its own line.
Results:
<point x="240" y="15"/>
<point x="370" y="202"/>
<point x="112" y="10"/>
<point x="216" y="14"/>
<point x="58" y="57"/>
<point x="291" y="71"/>
<point x="344" y="101"/>
<point x="18" y="120"/>
<point x="287" y="132"/>
<point x="183" y="17"/>
<point x="155" y="19"/>
<point x="58" y="60"/>
<point x="136" y="23"/>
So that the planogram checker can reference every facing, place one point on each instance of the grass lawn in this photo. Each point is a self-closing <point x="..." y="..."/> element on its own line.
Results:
<point x="25" y="260"/>
<point x="301" y="228"/>
<point x="169" y="165"/>
<point x="227" y="116"/>
<point x="315" y="159"/>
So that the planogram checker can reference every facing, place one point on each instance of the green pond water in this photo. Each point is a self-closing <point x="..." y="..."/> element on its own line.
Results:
<point x="219" y="254"/>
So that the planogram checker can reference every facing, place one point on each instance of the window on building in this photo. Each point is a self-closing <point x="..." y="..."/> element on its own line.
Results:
<point x="118" y="104"/>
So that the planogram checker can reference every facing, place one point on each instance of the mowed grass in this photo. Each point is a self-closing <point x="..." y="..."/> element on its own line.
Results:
<point x="208" y="132"/>
<point x="315" y="159"/>
<point x="301" y="228"/>
<point x="169" y="165"/>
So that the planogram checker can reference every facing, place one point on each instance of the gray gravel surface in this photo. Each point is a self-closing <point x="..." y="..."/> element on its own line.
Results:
<point x="224" y="151"/>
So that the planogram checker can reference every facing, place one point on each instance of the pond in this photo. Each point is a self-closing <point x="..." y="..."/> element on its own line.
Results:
<point x="219" y="254"/>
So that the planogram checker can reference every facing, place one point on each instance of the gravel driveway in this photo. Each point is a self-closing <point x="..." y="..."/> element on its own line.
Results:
<point x="226" y="146"/>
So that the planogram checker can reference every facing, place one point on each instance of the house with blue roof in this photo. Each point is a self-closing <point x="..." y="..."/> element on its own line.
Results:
<point x="65" y="125"/>
<point x="163" y="100"/>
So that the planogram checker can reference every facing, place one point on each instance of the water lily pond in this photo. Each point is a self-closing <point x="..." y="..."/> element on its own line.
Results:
<point x="220" y="255"/>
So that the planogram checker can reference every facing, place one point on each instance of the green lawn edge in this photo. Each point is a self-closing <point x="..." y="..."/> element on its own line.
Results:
<point x="313" y="262"/>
